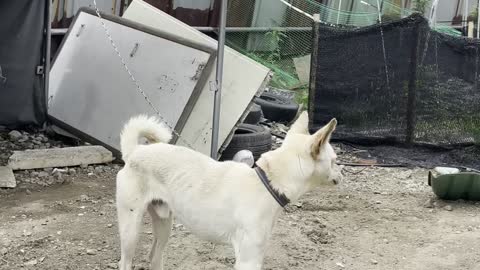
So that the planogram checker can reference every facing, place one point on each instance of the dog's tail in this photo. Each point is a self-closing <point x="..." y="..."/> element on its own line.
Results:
<point x="142" y="127"/>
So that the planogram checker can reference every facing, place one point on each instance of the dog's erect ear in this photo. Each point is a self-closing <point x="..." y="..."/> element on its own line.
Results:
<point x="322" y="137"/>
<point x="301" y="125"/>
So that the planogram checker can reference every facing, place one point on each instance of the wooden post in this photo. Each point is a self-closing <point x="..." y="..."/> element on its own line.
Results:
<point x="313" y="68"/>
<point x="412" y="88"/>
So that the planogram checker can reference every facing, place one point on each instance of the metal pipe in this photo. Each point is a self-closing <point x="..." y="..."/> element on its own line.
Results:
<point x="254" y="29"/>
<point x="297" y="9"/>
<point x="478" y="19"/>
<point x="338" y="11"/>
<point x="48" y="46"/>
<point x="465" y="16"/>
<point x="218" y="80"/>
<point x="433" y="14"/>
<point x="379" y="12"/>
<point x="63" y="31"/>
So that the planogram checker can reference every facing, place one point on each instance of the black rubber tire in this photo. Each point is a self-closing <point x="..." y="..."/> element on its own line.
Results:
<point x="257" y="139"/>
<point x="254" y="115"/>
<point x="277" y="108"/>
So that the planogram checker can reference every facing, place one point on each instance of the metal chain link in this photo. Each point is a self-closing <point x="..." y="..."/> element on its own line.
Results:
<point x="137" y="85"/>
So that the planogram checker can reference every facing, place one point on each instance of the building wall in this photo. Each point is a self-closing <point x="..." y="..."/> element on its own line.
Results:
<point x="451" y="11"/>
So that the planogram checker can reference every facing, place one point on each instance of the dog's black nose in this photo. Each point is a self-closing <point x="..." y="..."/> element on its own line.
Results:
<point x="335" y="181"/>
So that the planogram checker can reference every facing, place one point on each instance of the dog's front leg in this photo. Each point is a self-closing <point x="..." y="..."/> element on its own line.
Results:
<point x="249" y="251"/>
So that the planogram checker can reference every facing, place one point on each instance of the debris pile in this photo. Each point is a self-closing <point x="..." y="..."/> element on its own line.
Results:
<point x="35" y="158"/>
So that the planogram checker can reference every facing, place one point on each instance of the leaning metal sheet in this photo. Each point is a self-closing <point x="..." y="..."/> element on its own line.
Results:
<point x="92" y="96"/>
<point x="243" y="78"/>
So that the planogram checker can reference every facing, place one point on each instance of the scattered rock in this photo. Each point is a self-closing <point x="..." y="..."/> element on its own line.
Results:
<point x="14" y="135"/>
<point x="98" y="170"/>
<point x="91" y="251"/>
<point x="43" y="174"/>
<point x="31" y="263"/>
<point x="112" y="266"/>
<point x="37" y="142"/>
<point x="448" y="207"/>
<point x="57" y="170"/>
<point x="374" y="262"/>
<point x="341" y="265"/>
<point x="299" y="204"/>
<point x="4" y="251"/>
<point x="429" y="203"/>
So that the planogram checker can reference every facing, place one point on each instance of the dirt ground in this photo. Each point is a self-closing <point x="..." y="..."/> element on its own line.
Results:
<point x="378" y="218"/>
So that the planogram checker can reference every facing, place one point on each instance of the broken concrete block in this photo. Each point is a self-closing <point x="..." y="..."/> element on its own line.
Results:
<point x="7" y="179"/>
<point x="59" y="157"/>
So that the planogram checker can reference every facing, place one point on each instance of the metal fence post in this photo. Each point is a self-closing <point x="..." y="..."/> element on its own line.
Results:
<point x="48" y="45"/>
<point x="218" y="81"/>
<point x="412" y="87"/>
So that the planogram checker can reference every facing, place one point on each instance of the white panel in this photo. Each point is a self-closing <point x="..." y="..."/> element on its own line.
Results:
<point x="91" y="92"/>
<point x="243" y="78"/>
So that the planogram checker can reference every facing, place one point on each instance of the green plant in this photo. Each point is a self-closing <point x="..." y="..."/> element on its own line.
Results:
<point x="391" y="16"/>
<point x="473" y="15"/>
<point x="274" y="39"/>
<point x="301" y="97"/>
<point x="421" y="5"/>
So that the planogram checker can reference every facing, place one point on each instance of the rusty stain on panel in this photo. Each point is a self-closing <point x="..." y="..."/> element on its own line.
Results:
<point x="199" y="71"/>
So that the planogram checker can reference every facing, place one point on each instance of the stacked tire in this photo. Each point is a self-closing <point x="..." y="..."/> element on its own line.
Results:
<point x="254" y="115"/>
<point x="277" y="108"/>
<point x="255" y="138"/>
<point x="250" y="135"/>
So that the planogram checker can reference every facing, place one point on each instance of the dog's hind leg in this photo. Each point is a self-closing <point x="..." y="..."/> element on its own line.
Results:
<point x="129" y="223"/>
<point x="162" y="225"/>
<point x="130" y="209"/>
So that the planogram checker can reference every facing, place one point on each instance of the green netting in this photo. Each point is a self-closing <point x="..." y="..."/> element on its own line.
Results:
<point x="448" y="30"/>
<point x="281" y="36"/>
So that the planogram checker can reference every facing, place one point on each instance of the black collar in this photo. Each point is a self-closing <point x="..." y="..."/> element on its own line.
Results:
<point x="279" y="197"/>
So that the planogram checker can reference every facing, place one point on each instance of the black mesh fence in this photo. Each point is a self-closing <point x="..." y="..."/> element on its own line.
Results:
<point x="398" y="82"/>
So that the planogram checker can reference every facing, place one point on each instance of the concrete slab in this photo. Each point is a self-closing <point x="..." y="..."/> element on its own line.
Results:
<point x="59" y="157"/>
<point x="7" y="179"/>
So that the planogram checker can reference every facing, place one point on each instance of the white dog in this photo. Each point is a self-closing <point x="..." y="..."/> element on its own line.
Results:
<point x="218" y="201"/>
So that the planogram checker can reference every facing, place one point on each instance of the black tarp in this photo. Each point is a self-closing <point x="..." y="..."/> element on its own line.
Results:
<point x="22" y="93"/>
<point x="399" y="82"/>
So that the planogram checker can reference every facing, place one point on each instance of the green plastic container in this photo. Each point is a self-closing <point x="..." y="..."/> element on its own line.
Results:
<point x="456" y="186"/>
